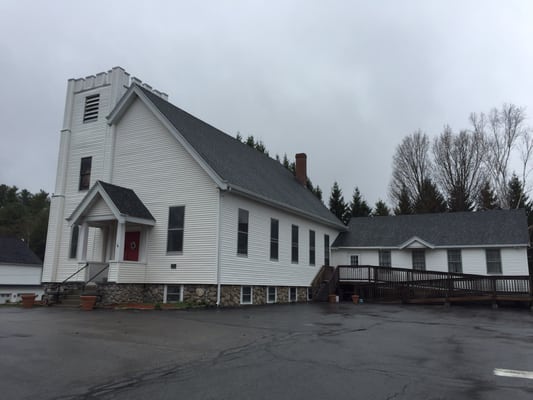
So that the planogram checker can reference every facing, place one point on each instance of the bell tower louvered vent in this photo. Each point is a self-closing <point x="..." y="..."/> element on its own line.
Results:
<point x="91" y="108"/>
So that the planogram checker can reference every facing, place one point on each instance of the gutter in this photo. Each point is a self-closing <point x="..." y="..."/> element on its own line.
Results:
<point x="219" y="286"/>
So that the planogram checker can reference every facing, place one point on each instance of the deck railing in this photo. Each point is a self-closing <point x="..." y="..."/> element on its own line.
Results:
<point x="405" y="284"/>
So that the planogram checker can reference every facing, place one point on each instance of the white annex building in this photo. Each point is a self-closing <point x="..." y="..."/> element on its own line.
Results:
<point x="481" y="243"/>
<point x="20" y="270"/>
<point x="157" y="205"/>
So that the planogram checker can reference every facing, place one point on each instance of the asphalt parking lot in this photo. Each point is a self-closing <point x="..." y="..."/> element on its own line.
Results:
<point x="311" y="351"/>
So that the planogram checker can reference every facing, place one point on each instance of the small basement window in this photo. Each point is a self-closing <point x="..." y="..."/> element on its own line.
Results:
<point x="246" y="295"/>
<point x="293" y="294"/>
<point x="272" y="294"/>
<point x="174" y="294"/>
<point x="92" y="103"/>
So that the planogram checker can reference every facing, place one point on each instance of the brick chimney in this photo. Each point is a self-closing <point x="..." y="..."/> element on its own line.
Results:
<point x="301" y="168"/>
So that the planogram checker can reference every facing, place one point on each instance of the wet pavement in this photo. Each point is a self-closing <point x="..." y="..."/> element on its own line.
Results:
<point x="311" y="351"/>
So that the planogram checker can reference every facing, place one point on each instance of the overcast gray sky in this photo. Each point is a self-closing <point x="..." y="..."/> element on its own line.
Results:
<point x="343" y="81"/>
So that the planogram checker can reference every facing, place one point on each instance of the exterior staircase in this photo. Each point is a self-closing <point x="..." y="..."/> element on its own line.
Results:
<point x="69" y="299"/>
<point x="326" y="282"/>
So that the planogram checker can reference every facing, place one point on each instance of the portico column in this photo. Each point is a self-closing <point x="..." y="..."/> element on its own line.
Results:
<point x="83" y="240"/>
<point x="119" y="242"/>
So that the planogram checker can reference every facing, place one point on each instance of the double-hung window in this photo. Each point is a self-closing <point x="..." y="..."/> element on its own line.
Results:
<point x="454" y="261"/>
<point x="85" y="173"/>
<point x="494" y="261"/>
<point x="176" y="221"/>
<point x="419" y="259"/>
<point x="311" y="247"/>
<point x="385" y="258"/>
<point x="326" y="249"/>
<point x="242" y="233"/>
<point x="294" y="243"/>
<point x="274" y="239"/>
<point x="74" y="241"/>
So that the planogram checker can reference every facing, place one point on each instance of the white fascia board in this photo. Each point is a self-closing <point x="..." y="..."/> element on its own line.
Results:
<point x="136" y="220"/>
<point x="246" y="193"/>
<point x="455" y="246"/>
<point x="133" y="93"/>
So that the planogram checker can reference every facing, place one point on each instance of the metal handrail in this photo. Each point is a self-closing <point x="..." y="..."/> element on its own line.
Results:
<point x="64" y="281"/>
<point x="98" y="273"/>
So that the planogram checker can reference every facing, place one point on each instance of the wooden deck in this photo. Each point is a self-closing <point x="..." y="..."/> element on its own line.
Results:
<point x="375" y="283"/>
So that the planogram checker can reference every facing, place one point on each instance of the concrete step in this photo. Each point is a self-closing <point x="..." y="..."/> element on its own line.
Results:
<point x="70" y="301"/>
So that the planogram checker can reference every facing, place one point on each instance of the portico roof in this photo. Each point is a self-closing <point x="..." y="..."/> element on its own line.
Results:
<point x="123" y="205"/>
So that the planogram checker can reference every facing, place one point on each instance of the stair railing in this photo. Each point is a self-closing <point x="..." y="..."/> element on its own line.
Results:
<point x="58" y="290"/>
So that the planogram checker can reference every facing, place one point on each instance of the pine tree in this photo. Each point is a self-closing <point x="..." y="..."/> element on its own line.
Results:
<point x="336" y="202"/>
<point x="381" y="209"/>
<point x="516" y="195"/>
<point x="250" y="141"/>
<point x="460" y="200"/>
<point x="358" y="206"/>
<point x="404" y="206"/>
<point x="487" y="198"/>
<point x="429" y="200"/>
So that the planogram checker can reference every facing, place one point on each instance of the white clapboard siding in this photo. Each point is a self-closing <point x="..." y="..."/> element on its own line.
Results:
<point x="20" y="274"/>
<point x="149" y="160"/>
<point x="257" y="268"/>
<point x="85" y="140"/>
<point x="99" y="209"/>
<point x="514" y="259"/>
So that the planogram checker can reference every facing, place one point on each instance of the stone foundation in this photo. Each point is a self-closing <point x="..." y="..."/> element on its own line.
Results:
<point x="117" y="293"/>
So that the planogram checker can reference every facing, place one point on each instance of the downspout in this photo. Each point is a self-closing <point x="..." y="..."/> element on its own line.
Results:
<point x="219" y="288"/>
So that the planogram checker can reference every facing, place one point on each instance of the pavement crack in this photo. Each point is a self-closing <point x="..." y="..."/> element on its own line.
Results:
<point x="399" y="393"/>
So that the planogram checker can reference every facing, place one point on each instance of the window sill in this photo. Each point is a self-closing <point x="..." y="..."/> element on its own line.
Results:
<point x="174" y="253"/>
<point x="242" y="255"/>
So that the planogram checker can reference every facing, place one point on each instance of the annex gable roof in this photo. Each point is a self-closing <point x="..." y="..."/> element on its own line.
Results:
<point x="15" y="251"/>
<point x="416" y="243"/>
<point x="233" y="165"/>
<point x="123" y="203"/>
<point x="458" y="229"/>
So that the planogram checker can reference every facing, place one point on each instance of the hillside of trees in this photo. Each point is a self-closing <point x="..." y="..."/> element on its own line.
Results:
<point x="24" y="215"/>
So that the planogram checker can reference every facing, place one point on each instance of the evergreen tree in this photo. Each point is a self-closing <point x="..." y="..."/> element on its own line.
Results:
<point x="358" y="206"/>
<point x="25" y="216"/>
<point x="239" y="137"/>
<point x="459" y="200"/>
<point x="381" y="209"/>
<point x="404" y="205"/>
<point x="250" y="141"/>
<point x="315" y="190"/>
<point x="336" y="202"/>
<point x="429" y="200"/>
<point x="487" y="198"/>
<point x="516" y="195"/>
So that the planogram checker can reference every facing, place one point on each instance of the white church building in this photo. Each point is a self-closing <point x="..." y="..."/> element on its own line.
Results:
<point x="168" y="207"/>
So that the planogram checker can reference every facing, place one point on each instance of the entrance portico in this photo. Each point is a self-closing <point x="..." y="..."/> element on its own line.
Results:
<point x="118" y="223"/>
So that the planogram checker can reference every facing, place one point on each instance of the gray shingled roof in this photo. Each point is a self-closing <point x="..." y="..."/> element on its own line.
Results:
<point x="15" y="251"/>
<point x="126" y="201"/>
<point x="240" y="165"/>
<point x="483" y="228"/>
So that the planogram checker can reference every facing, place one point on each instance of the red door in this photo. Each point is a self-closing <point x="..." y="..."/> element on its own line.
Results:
<point x="131" y="246"/>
